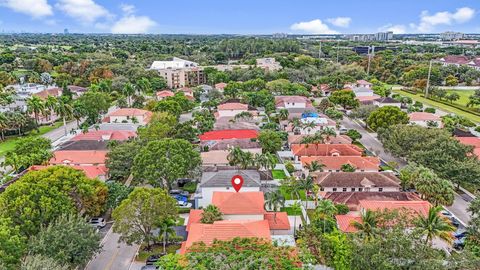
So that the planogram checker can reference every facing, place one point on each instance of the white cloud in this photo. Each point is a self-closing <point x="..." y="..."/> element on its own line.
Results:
<point x="396" y="29"/>
<point x="428" y="21"/>
<point x="85" y="11"/>
<point x="313" y="27"/>
<point x="34" y="8"/>
<point x="340" y="21"/>
<point x="132" y="24"/>
<point x="127" y="9"/>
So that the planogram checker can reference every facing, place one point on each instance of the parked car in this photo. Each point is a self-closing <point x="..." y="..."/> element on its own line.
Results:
<point x="460" y="234"/>
<point x="446" y="213"/>
<point x="154" y="258"/>
<point x="97" y="222"/>
<point x="179" y="192"/>
<point x="454" y="222"/>
<point x="459" y="243"/>
<point x="182" y="181"/>
<point x="343" y="130"/>
<point x="184" y="204"/>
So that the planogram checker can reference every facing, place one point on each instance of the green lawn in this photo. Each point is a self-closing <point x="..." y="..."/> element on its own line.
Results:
<point x="278" y="174"/>
<point x="143" y="255"/>
<point x="288" y="195"/>
<point x="463" y="96"/>
<point x="291" y="212"/>
<point x="10" y="142"/>
<point x="441" y="106"/>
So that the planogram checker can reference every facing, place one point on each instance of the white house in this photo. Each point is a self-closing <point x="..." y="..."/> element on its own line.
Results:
<point x="363" y="92"/>
<point x="129" y="115"/>
<point x="292" y="102"/>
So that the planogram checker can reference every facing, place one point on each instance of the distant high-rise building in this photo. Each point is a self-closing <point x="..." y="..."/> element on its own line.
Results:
<point x="280" y="35"/>
<point x="384" y="36"/>
<point x="449" y="35"/>
<point x="65" y="31"/>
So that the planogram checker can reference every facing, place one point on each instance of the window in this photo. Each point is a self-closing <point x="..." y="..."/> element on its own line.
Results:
<point x="344" y="189"/>
<point x="353" y="189"/>
<point x="321" y="189"/>
<point x="360" y="189"/>
<point x="334" y="189"/>
<point x="380" y="189"/>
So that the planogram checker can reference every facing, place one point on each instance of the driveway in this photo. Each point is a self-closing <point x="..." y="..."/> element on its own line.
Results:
<point x="114" y="256"/>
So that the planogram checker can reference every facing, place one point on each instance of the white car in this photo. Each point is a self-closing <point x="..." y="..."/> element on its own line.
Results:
<point x="183" y="204"/>
<point x="97" y="222"/>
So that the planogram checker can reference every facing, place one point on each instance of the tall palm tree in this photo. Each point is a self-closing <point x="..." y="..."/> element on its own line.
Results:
<point x="246" y="160"/>
<point x="306" y="184"/>
<point x="260" y="160"/>
<point x="296" y="123"/>
<point x="325" y="208"/>
<point x="36" y="106"/>
<point x="234" y="156"/>
<point x="3" y="125"/>
<point x="368" y="226"/>
<point x="291" y="186"/>
<point x="274" y="201"/>
<point x="64" y="110"/>
<point x="296" y="207"/>
<point x="434" y="225"/>
<point x="128" y="91"/>
<point x="166" y="230"/>
<point x="50" y="104"/>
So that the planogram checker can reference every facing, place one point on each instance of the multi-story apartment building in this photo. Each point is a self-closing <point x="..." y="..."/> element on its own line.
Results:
<point x="180" y="73"/>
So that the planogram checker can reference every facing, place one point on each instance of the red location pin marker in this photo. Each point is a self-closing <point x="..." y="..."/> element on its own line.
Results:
<point x="237" y="182"/>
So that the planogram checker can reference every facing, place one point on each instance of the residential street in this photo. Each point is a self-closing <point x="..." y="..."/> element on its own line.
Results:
<point x="115" y="255"/>
<point x="370" y="141"/>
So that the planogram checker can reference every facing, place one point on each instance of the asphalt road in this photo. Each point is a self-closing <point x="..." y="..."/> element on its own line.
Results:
<point x="370" y="141"/>
<point x="114" y="256"/>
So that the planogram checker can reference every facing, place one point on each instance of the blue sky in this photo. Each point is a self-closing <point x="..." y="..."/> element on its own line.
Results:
<point x="240" y="16"/>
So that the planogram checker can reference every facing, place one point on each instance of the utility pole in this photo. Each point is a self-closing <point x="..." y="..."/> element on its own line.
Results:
<point x="428" y="78"/>
<point x="320" y="51"/>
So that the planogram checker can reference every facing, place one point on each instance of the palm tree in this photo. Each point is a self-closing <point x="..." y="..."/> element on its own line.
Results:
<point x="296" y="123"/>
<point x="234" y="156"/>
<point x="64" y="110"/>
<point x="325" y="209"/>
<point x="211" y="214"/>
<point x="306" y="184"/>
<point x="368" y="226"/>
<point x="128" y="91"/>
<point x="166" y="230"/>
<point x="328" y="132"/>
<point x="36" y="106"/>
<point x="274" y="201"/>
<point x="3" y="125"/>
<point x="260" y="160"/>
<point x="144" y="85"/>
<point x="291" y="186"/>
<point x="296" y="207"/>
<point x="434" y="225"/>
<point x="314" y="166"/>
<point x="283" y="114"/>
<point x="50" y="104"/>
<point x="246" y="160"/>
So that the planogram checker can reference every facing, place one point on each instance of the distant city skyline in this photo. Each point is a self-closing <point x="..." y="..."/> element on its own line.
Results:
<point x="239" y="17"/>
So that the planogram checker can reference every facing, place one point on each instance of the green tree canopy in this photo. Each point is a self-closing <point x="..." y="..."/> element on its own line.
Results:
<point x="386" y="116"/>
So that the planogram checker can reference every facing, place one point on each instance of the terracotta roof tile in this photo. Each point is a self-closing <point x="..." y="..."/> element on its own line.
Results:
<point x="78" y="157"/>
<point x="326" y="150"/>
<point x="418" y="207"/>
<point x="194" y="217"/>
<point x="335" y="163"/>
<point x="423" y="116"/>
<point x="232" y="106"/>
<point x="229" y="134"/>
<point x="165" y="93"/>
<point x="473" y="141"/>
<point x="339" y="139"/>
<point x="345" y="223"/>
<point x="239" y="203"/>
<point x="90" y="171"/>
<point x="277" y="222"/>
<point x="225" y="230"/>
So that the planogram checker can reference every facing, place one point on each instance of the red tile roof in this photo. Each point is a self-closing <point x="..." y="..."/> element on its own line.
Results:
<point x="220" y="86"/>
<point x="339" y="139"/>
<point x="423" y="116"/>
<point x="368" y="98"/>
<point x="363" y="82"/>
<point x="416" y="207"/>
<point x="98" y="135"/>
<point x="132" y="112"/>
<point x="473" y="141"/>
<point x="78" y="157"/>
<point x="239" y="203"/>
<point x="194" y="217"/>
<point x="225" y="231"/>
<point x="455" y="59"/>
<point x="229" y="134"/>
<point x="277" y="222"/>
<point x="335" y="163"/>
<point x="232" y="106"/>
<point x="89" y="170"/>
<point x="165" y="93"/>
<point x="345" y="223"/>
<point x="326" y="150"/>
<point x="56" y="92"/>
